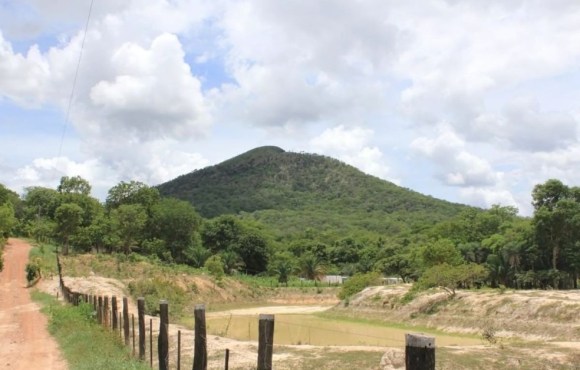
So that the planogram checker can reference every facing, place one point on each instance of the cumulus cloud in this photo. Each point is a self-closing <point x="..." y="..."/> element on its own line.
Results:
<point x="153" y="93"/>
<point x="23" y="78"/>
<point x="353" y="146"/>
<point x="456" y="165"/>
<point x="486" y="197"/>
<point x="389" y="66"/>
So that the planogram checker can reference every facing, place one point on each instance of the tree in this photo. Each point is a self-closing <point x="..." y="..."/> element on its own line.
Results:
<point x="557" y="228"/>
<point x="68" y="218"/>
<point x="254" y="252"/>
<point x="312" y="267"/>
<point x="7" y="220"/>
<point x="40" y="202"/>
<point x="283" y="266"/>
<point x="451" y="277"/>
<point x="221" y="233"/>
<point x="441" y="251"/>
<point x="175" y="222"/>
<point x="129" y="221"/>
<point x="74" y="185"/>
<point x="133" y="192"/>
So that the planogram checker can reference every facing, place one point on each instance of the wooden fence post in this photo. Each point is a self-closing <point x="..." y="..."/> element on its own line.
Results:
<point x="227" y="359"/>
<point x="419" y="352"/>
<point x="100" y="310"/>
<point x="141" y="313"/>
<point x="200" y="342"/>
<point x="179" y="350"/>
<point x="151" y="343"/>
<point x="133" y="323"/>
<point x="163" y="339"/>
<point x="106" y="311"/>
<point x="265" y="342"/>
<point x="114" y="312"/>
<point x="126" y="320"/>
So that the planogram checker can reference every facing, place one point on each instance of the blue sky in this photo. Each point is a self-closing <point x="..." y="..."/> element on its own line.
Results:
<point x="470" y="101"/>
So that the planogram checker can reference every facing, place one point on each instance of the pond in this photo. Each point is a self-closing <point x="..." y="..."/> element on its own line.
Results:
<point x="322" y="331"/>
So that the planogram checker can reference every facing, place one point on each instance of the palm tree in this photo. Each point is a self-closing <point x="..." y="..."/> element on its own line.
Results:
<point x="312" y="267"/>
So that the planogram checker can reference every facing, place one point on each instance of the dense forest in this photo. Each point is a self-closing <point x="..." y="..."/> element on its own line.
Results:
<point x="284" y="214"/>
<point x="315" y="196"/>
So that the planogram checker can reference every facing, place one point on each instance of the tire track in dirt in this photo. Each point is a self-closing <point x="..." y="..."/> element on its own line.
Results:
<point x="24" y="339"/>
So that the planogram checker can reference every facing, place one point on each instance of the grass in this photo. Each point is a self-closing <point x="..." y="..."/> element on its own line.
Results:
<point x="85" y="344"/>
<point x="333" y="359"/>
<point x="45" y="255"/>
<point x="337" y="315"/>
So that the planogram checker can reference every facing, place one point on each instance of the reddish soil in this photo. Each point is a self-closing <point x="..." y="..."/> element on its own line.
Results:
<point x="24" y="339"/>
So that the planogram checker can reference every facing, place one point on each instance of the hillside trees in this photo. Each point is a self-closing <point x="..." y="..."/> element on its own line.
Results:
<point x="556" y="224"/>
<point x="229" y="235"/>
<point x="175" y="222"/>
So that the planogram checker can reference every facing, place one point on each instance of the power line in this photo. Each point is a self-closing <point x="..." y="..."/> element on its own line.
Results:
<point x="66" y="119"/>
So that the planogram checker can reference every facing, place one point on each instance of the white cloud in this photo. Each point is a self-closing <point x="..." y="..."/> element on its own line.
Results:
<point x="22" y="77"/>
<point x="456" y="166"/>
<point x="153" y="94"/>
<point x="392" y="67"/>
<point x="486" y="197"/>
<point x="353" y="146"/>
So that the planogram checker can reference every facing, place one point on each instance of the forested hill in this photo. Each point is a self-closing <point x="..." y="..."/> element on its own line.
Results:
<point x="289" y="190"/>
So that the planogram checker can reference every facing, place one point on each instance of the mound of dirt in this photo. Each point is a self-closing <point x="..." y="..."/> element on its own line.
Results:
<point x="530" y="314"/>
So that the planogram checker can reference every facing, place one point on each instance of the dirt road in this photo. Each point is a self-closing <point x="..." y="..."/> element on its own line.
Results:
<point x="24" y="339"/>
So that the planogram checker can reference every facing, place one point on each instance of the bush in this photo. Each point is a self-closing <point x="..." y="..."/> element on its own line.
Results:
<point x="215" y="267"/>
<point x="357" y="283"/>
<point x="32" y="271"/>
<point x="156" y="289"/>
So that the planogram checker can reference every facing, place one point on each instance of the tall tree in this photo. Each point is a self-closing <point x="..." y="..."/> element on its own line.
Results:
<point x="68" y="218"/>
<point x="74" y="185"/>
<point x="175" y="222"/>
<point x="129" y="221"/>
<point x="133" y="192"/>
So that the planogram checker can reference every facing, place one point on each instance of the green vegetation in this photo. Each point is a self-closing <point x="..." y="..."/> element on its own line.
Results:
<point x="357" y="283"/>
<point x="85" y="344"/>
<point x="287" y="215"/>
<point x="32" y="271"/>
<point x="306" y="194"/>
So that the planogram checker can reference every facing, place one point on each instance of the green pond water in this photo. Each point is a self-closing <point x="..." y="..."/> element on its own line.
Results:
<point x="321" y="331"/>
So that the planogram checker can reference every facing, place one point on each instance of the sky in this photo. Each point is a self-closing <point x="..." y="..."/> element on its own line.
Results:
<point x="470" y="101"/>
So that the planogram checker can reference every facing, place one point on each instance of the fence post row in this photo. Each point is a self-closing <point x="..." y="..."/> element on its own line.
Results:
<point x="265" y="342"/>
<point x="419" y="352"/>
<point x="141" y="314"/>
<point x="200" y="341"/>
<point x="163" y="339"/>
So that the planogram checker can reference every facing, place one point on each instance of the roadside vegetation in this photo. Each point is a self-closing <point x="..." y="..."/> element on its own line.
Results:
<point x="85" y="344"/>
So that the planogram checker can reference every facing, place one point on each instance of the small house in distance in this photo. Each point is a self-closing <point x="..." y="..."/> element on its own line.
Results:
<point x="334" y="279"/>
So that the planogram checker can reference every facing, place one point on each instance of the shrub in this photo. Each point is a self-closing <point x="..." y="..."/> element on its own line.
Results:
<point x="215" y="267"/>
<point x="357" y="283"/>
<point x="156" y="289"/>
<point x="32" y="271"/>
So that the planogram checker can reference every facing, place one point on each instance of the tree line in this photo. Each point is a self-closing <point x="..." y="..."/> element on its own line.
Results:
<point x="493" y="247"/>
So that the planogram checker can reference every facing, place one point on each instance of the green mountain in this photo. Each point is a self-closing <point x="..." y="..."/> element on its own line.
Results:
<point x="307" y="195"/>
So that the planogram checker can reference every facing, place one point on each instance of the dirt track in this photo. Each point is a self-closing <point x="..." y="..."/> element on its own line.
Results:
<point x="24" y="339"/>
